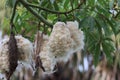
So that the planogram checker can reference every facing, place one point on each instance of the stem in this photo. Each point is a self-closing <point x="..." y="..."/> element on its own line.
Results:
<point x="51" y="11"/>
<point x="14" y="10"/>
<point x="35" y="13"/>
<point x="28" y="7"/>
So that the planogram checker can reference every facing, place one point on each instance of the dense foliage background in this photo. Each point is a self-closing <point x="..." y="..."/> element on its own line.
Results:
<point x="98" y="19"/>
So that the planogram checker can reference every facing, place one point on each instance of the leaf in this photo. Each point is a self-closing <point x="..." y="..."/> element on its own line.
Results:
<point x="96" y="54"/>
<point x="66" y="3"/>
<point x="91" y="45"/>
<point x="108" y="48"/>
<point x="99" y="28"/>
<point x="44" y="3"/>
<point x="118" y="3"/>
<point x="111" y="4"/>
<point x="4" y="26"/>
<point x="91" y="2"/>
<point x="108" y="39"/>
<point x="52" y="1"/>
<point x="10" y="3"/>
<point x="112" y="26"/>
<point x="88" y="22"/>
<point x="103" y="3"/>
<point x="118" y="32"/>
<point x="76" y="2"/>
<point x="103" y="11"/>
<point x="56" y="6"/>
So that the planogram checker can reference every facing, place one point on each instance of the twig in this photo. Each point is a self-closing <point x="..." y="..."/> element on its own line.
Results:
<point x="14" y="10"/>
<point x="38" y="43"/>
<point x="13" y="15"/>
<point x="52" y="11"/>
<point x="29" y="6"/>
<point x="35" y="13"/>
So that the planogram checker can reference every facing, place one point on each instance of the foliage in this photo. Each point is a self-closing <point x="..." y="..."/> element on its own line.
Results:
<point x="99" y="19"/>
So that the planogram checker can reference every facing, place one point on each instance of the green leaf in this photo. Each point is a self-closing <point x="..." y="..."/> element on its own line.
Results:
<point x="44" y="3"/>
<point x="111" y="23"/>
<point x="66" y="3"/>
<point x="99" y="28"/>
<point x="96" y="54"/>
<point x="108" y="39"/>
<point x="76" y="2"/>
<point x="10" y="3"/>
<point x="52" y="1"/>
<point x="103" y="11"/>
<point x="91" y="2"/>
<point x="118" y="3"/>
<point x="103" y="3"/>
<point x="111" y="4"/>
<point x="108" y="48"/>
<point x="56" y="6"/>
<point x="88" y="22"/>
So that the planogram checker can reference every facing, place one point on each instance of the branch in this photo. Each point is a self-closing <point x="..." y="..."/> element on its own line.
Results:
<point x="51" y="11"/>
<point x="14" y="10"/>
<point x="35" y="13"/>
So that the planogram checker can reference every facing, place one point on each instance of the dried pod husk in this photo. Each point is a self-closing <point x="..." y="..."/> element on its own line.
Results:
<point x="12" y="56"/>
<point x="45" y="54"/>
<point x="76" y="34"/>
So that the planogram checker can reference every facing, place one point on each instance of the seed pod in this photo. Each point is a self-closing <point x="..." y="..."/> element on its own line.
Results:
<point x="13" y="55"/>
<point x="60" y="42"/>
<point x="44" y="55"/>
<point x="25" y="50"/>
<point x="64" y="40"/>
<point x="46" y="61"/>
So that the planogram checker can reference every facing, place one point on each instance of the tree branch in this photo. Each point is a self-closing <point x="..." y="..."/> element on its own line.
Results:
<point x="14" y="10"/>
<point x="51" y="11"/>
<point x="35" y="13"/>
<point x="29" y="6"/>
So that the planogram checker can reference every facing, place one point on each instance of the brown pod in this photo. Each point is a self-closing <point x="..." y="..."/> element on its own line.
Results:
<point x="13" y="55"/>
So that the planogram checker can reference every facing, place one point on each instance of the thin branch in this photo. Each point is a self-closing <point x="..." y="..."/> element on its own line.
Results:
<point x="12" y="17"/>
<point x="51" y="11"/>
<point x="28" y="7"/>
<point x="35" y="13"/>
<point x="14" y="10"/>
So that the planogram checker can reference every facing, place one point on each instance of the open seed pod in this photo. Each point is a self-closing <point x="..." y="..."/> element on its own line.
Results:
<point x="60" y="42"/>
<point x="76" y="34"/>
<point x="65" y="39"/>
<point x="25" y="50"/>
<point x="44" y="52"/>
